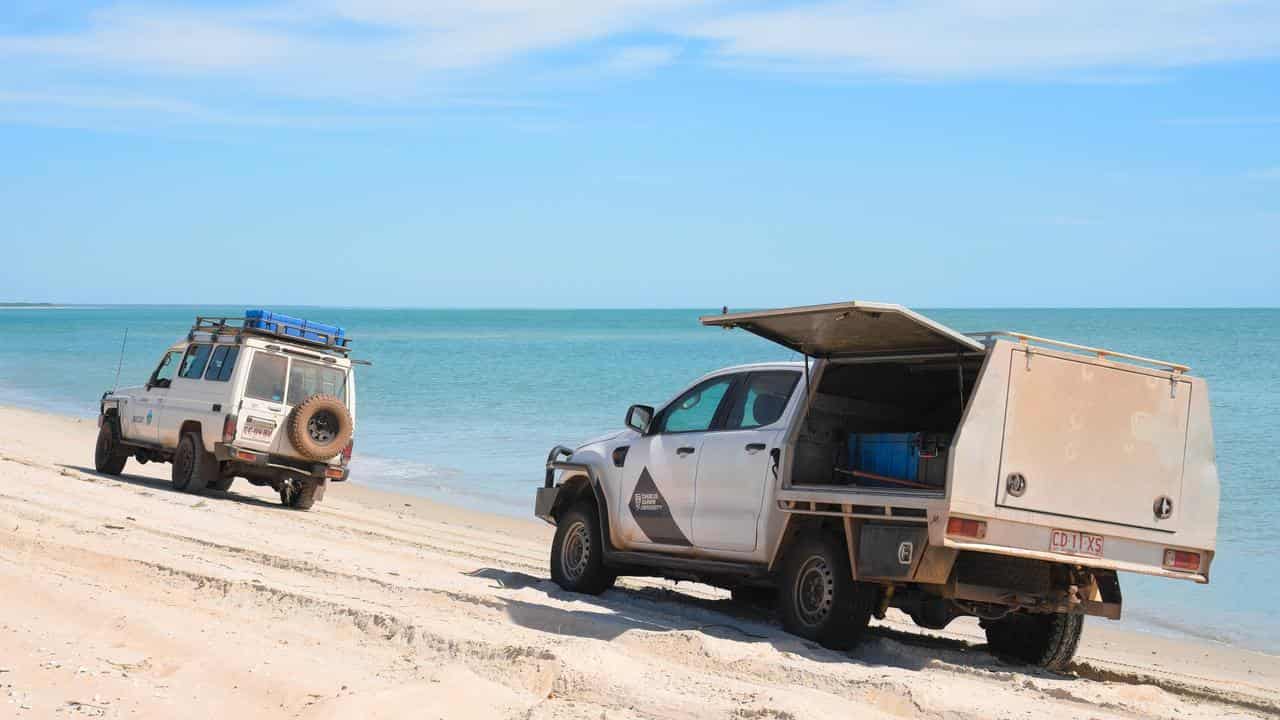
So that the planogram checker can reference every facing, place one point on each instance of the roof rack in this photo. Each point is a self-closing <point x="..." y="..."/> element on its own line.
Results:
<point x="1100" y="353"/>
<point x="237" y="327"/>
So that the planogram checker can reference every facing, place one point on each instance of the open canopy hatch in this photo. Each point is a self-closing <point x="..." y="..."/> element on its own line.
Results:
<point x="849" y="330"/>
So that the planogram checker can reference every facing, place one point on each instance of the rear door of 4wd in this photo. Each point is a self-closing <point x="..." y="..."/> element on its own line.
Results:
<point x="263" y="410"/>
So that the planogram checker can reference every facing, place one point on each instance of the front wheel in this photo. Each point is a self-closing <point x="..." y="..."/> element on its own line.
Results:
<point x="577" y="552"/>
<point x="109" y="456"/>
<point x="818" y="596"/>
<point x="1048" y="640"/>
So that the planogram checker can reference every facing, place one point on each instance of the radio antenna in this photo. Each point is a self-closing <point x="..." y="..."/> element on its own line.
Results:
<point x="121" y="363"/>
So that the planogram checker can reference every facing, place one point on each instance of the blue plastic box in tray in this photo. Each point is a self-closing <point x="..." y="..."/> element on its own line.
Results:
<point x="913" y="457"/>
<point x="281" y="324"/>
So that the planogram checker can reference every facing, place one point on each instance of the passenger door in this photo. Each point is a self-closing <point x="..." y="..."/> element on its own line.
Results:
<point x="143" y="412"/>
<point x="189" y="398"/>
<point x="661" y="467"/>
<point x="737" y="463"/>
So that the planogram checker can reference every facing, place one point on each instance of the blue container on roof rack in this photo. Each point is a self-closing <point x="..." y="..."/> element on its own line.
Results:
<point x="281" y="324"/>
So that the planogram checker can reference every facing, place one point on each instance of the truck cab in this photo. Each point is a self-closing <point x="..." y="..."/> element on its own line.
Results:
<point x="268" y="398"/>
<point x="902" y="464"/>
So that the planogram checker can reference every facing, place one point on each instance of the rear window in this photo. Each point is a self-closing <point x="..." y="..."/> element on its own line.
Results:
<point x="308" y="378"/>
<point x="266" y="377"/>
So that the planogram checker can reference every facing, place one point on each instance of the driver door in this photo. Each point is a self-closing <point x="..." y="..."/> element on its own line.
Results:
<point x="143" y="418"/>
<point x="661" y="467"/>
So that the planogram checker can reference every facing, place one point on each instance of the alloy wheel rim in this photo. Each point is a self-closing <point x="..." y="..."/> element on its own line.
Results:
<point x="815" y="591"/>
<point x="576" y="552"/>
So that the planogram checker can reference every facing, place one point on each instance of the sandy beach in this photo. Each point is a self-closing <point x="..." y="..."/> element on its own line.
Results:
<point x="120" y="597"/>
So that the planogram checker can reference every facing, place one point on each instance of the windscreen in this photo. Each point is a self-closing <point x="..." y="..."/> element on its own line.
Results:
<point x="308" y="378"/>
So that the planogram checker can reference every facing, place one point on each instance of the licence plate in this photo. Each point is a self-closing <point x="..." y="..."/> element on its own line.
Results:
<point x="256" y="429"/>
<point x="1075" y="543"/>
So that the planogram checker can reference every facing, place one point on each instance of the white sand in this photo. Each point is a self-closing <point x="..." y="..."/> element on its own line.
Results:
<point x="122" y="598"/>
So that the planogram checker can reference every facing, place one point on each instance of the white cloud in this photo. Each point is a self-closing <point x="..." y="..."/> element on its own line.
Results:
<point x="970" y="38"/>
<point x="413" y="53"/>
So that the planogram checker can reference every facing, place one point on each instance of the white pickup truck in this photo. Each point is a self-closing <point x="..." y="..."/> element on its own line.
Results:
<point x="902" y="464"/>
<point x="268" y="397"/>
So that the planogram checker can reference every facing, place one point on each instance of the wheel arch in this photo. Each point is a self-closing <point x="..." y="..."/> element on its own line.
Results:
<point x="578" y="487"/>
<point x="799" y="526"/>
<point x="195" y="426"/>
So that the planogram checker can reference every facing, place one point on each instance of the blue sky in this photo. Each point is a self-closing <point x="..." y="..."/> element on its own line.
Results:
<point x="641" y="153"/>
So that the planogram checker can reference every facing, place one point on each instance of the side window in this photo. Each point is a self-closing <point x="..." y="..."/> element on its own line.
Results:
<point x="765" y="397"/>
<point x="222" y="362"/>
<point x="193" y="364"/>
<point x="696" y="409"/>
<point x="166" y="370"/>
<point x="266" y="377"/>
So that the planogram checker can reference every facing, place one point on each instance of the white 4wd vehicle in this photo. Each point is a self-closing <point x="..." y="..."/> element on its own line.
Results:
<point x="996" y="475"/>
<point x="271" y="400"/>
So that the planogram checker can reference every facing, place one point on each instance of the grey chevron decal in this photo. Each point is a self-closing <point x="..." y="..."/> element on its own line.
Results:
<point x="651" y="513"/>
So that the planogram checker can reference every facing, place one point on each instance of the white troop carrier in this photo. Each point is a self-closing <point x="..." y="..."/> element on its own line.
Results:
<point x="268" y="397"/>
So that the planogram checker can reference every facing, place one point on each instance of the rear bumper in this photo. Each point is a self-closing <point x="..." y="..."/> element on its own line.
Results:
<point x="1120" y="553"/>
<point x="254" y="458"/>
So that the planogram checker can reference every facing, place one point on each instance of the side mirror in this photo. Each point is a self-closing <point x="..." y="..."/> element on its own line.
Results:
<point x="639" y="417"/>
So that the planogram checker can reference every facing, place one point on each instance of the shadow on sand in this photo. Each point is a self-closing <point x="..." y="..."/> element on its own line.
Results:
<point x="664" y="610"/>
<point x="159" y="485"/>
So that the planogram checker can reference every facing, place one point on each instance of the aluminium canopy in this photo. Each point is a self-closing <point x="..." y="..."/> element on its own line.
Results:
<point x="850" y="330"/>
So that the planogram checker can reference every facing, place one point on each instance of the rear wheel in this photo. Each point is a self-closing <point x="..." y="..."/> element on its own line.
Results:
<point x="109" y="456"/>
<point x="1048" y="640"/>
<point x="193" y="468"/>
<point x="818" y="596"/>
<point x="577" y="552"/>
<point x="298" y="494"/>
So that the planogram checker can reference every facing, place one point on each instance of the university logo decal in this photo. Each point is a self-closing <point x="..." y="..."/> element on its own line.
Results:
<point x="649" y="509"/>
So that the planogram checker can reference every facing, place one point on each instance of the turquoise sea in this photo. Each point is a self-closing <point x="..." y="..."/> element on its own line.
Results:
<point x="462" y="405"/>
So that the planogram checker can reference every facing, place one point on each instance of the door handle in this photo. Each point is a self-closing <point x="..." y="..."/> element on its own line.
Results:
<point x="754" y="448"/>
<point x="684" y="451"/>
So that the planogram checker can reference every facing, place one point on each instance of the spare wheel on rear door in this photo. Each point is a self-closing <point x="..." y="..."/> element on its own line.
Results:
<point x="320" y="427"/>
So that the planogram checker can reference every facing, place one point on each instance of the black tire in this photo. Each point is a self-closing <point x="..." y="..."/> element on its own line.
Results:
<point x="577" y="552"/>
<point x="109" y="456"/>
<point x="319" y="427"/>
<point x="1047" y="640"/>
<point x="223" y="483"/>
<point x="818" y="597"/>
<point x="193" y="468"/>
<point x="299" y="494"/>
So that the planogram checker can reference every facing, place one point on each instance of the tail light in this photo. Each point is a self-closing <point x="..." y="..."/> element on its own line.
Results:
<point x="346" y="451"/>
<point x="1181" y="559"/>
<point x="965" y="527"/>
<point x="229" y="428"/>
